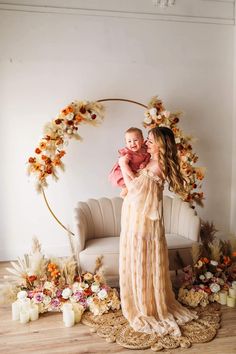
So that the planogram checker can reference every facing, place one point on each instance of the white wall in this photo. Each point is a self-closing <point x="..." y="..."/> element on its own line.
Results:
<point x="50" y="59"/>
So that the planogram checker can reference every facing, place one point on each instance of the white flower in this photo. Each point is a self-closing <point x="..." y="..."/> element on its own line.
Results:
<point x="214" y="263"/>
<point x="48" y="285"/>
<point x="66" y="293"/>
<point x="95" y="287"/>
<point x="202" y="286"/>
<point x="102" y="294"/>
<point x="153" y="111"/>
<point x="214" y="287"/>
<point x="202" y="277"/>
<point x="69" y="131"/>
<point x="22" y="295"/>
<point x="46" y="300"/>
<point x="166" y="114"/>
<point x="148" y="120"/>
<point x="76" y="287"/>
<point x="208" y="275"/>
<point x="89" y="300"/>
<point x="82" y="286"/>
<point x="69" y="116"/>
<point x="177" y="140"/>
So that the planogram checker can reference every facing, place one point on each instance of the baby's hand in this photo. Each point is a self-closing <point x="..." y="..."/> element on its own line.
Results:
<point x="142" y="165"/>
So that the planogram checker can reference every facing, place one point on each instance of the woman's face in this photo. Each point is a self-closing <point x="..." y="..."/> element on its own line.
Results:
<point x="152" y="146"/>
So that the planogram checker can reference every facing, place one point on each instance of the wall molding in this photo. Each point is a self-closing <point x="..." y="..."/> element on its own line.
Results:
<point x="201" y="11"/>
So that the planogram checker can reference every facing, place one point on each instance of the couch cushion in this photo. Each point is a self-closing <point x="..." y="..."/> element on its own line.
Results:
<point x="175" y="241"/>
<point x="108" y="247"/>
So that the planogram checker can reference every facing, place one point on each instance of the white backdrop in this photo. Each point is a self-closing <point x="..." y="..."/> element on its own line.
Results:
<point x="50" y="59"/>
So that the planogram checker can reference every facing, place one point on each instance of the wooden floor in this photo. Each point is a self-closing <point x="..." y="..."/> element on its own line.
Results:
<point x="48" y="335"/>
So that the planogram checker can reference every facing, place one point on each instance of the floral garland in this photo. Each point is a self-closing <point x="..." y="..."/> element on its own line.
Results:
<point x="157" y="116"/>
<point x="51" y="283"/>
<point x="51" y="148"/>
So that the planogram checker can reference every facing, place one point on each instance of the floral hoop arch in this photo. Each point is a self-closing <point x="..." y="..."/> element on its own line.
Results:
<point x="60" y="130"/>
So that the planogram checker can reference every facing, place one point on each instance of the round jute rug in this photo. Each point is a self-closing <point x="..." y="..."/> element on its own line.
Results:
<point x="115" y="328"/>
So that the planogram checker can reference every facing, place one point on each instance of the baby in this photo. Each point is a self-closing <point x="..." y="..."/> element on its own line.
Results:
<point x="137" y="155"/>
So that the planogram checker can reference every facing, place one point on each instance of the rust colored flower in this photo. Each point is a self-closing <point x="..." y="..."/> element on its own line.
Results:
<point x="32" y="160"/>
<point x="44" y="157"/>
<point x="58" y="121"/>
<point x="59" y="141"/>
<point x="37" y="151"/>
<point x="47" y="137"/>
<point x="234" y="254"/>
<point x="82" y="109"/>
<point x="49" y="171"/>
<point x="31" y="278"/>
<point x="61" y="153"/>
<point x="205" y="260"/>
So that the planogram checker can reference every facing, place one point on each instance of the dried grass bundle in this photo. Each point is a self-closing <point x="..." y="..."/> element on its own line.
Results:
<point x="215" y="250"/>
<point x="196" y="252"/>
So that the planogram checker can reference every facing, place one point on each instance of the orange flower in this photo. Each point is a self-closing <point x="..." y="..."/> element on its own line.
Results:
<point x="42" y="145"/>
<point x="227" y="260"/>
<point x="44" y="157"/>
<point x="204" y="260"/>
<point x="67" y="110"/>
<point x="79" y="118"/>
<point x="234" y="254"/>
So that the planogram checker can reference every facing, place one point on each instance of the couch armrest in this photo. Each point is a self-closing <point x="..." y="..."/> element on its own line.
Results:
<point x="81" y="234"/>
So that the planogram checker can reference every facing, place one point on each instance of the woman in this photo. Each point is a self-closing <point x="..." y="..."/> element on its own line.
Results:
<point x="147" y="298"/>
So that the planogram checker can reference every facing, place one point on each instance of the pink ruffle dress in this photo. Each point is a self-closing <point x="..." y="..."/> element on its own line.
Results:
<point x="135" y="160"/>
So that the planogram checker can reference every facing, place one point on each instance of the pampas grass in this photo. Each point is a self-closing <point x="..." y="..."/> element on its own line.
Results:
<point x="196" y="252"/>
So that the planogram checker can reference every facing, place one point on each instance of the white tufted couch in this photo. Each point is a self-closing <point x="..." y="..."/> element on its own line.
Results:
<point x="98" y="228"/>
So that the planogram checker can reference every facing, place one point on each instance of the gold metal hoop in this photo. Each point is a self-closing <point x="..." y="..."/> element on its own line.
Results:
<point x="43" y="191"/>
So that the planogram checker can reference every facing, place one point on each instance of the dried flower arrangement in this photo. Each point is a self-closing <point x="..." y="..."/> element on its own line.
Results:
<point x="50" y="283"/>
<point x="213" y="270"/>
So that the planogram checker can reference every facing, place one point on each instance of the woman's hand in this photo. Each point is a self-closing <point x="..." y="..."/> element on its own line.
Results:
<point x="123" y="161"/>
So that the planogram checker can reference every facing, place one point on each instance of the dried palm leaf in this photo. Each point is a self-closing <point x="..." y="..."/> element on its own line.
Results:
<point x="68" y="270"/>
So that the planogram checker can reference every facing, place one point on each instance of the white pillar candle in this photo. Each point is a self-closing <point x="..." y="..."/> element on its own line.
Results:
<point x="15" y="308"/>
<point x="232" y="292"/>
<point x="25" y="304"/>
<point x="34" y="313"/>
<point x="78" y="310"/>
<point x="230" y="301"/>
<point x="24" y="316"/>
<point x="223" y="297"/>
<point x="69" y="318"/>
<point x="234" y="284"/>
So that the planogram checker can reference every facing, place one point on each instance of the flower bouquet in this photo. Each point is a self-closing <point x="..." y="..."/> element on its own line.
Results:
<point x="209" y="275"/>
<point x="50" y="283"/>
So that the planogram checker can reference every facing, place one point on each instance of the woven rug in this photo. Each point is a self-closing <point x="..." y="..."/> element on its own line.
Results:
<point x="115" y="328"/>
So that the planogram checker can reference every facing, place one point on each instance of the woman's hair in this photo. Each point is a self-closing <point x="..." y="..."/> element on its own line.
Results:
<point x="169" y="160"/>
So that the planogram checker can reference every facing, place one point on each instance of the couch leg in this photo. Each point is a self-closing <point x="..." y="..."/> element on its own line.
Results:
<point x="176" y="272"/>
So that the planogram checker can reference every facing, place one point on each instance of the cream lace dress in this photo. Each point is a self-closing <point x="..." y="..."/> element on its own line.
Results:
<point x="147" y="298"/>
